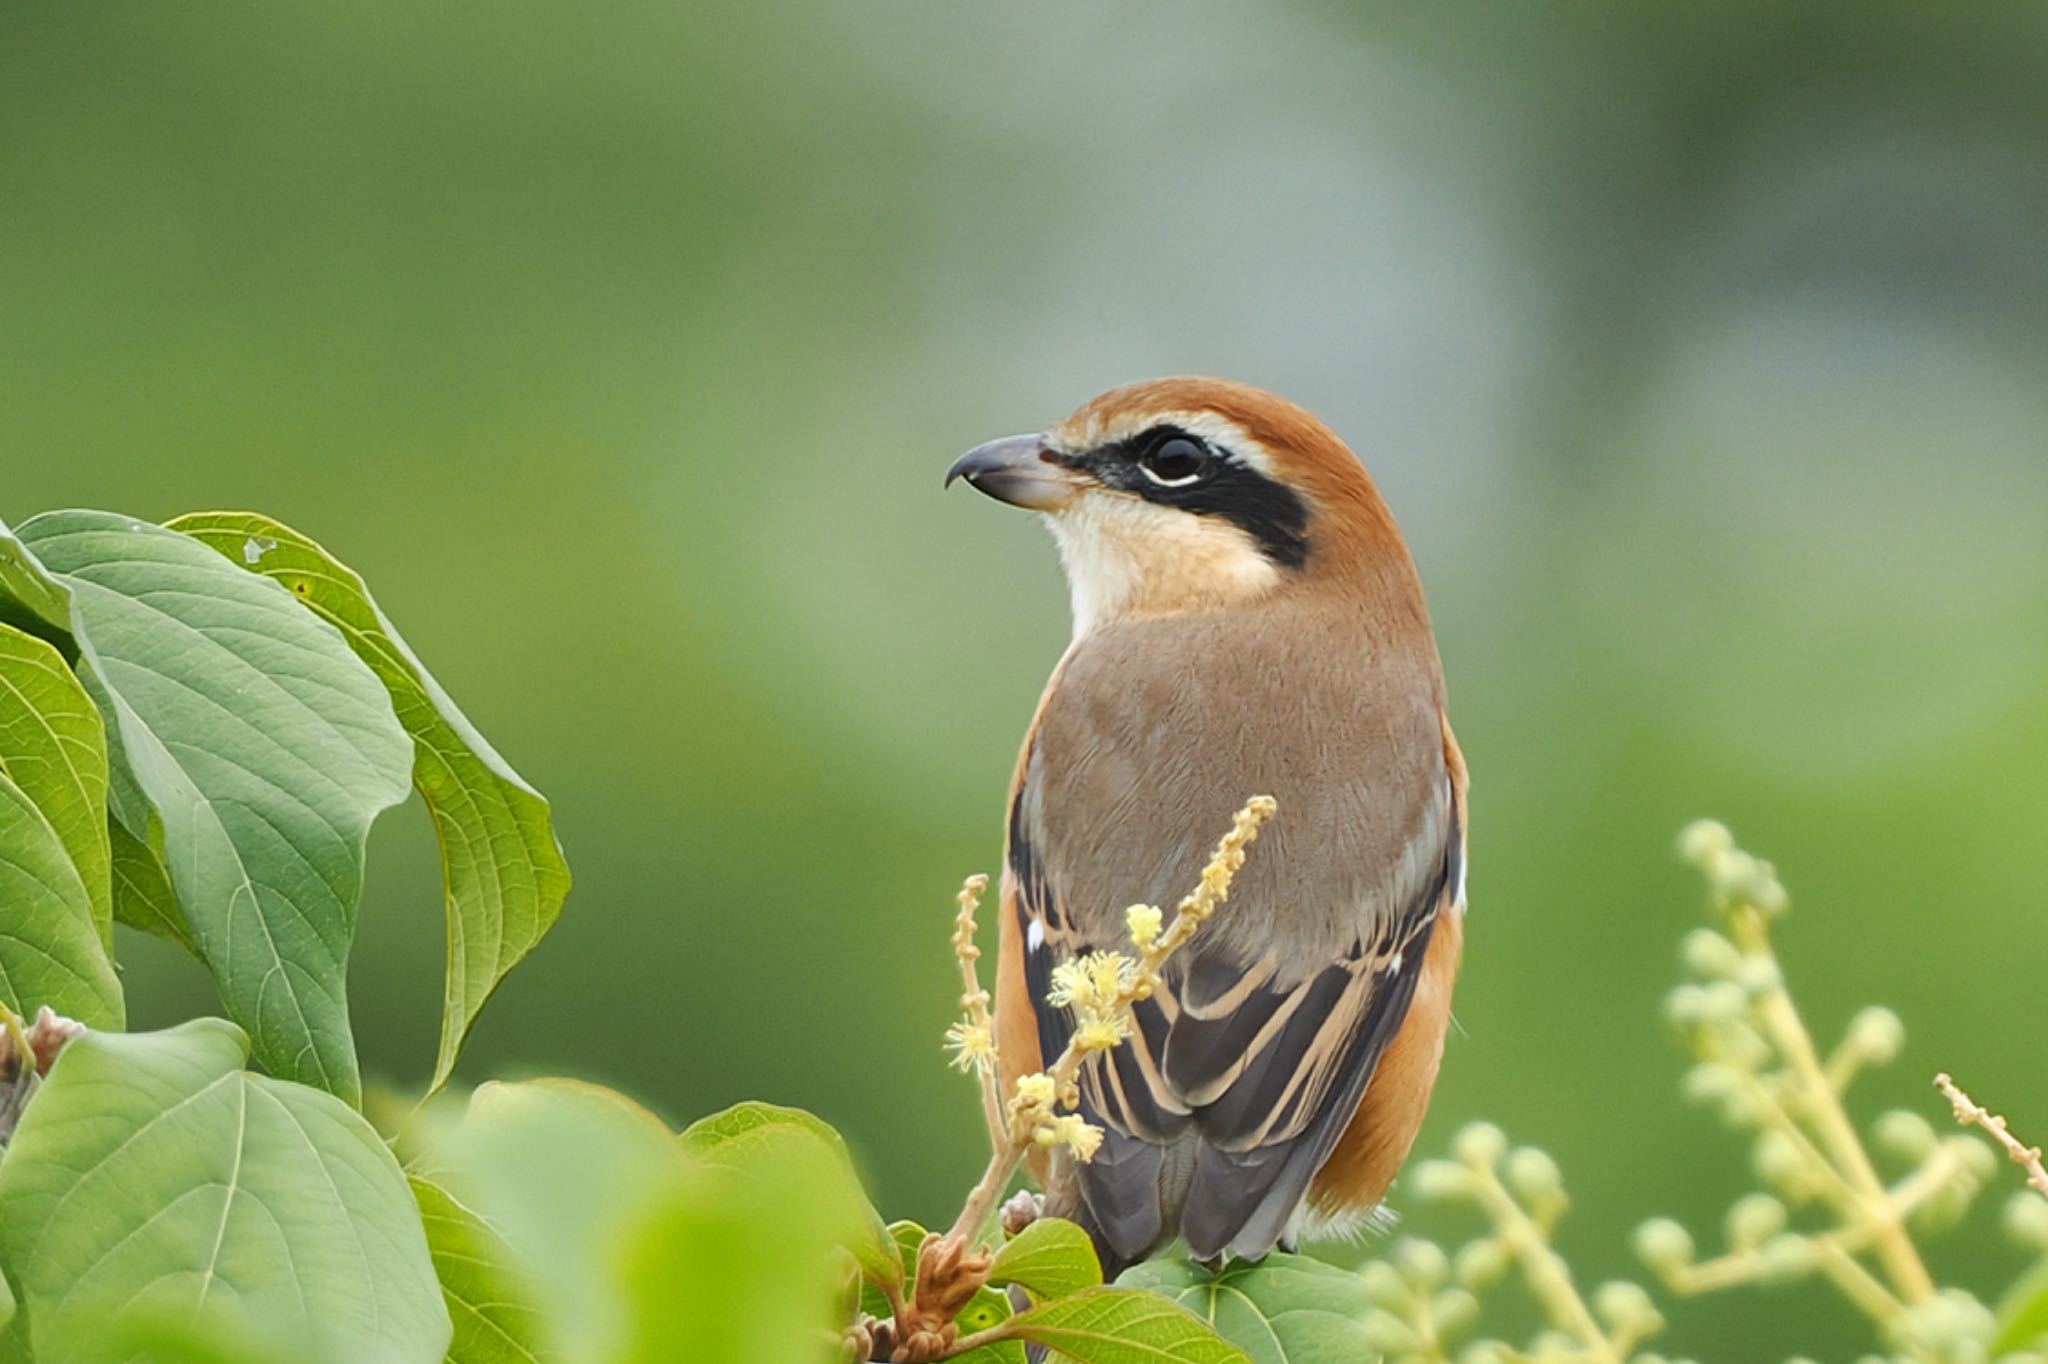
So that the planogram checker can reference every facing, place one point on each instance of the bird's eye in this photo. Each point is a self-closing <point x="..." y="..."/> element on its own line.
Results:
<point x="1174" y="462"/>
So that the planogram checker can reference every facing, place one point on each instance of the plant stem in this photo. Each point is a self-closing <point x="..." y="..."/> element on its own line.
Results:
<point x="1909" y="1193"/>
<point x="981" y="1201"/>
<point x="1895" y="1250"/>
<point x="1858" y="1284"/>
<point x="1548" y="1279"/>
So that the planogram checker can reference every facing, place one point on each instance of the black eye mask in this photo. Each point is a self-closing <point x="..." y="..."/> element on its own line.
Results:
<point x="1173" y="468"/>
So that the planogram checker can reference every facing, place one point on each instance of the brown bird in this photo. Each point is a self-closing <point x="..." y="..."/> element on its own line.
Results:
<point x="1246" y="620"/>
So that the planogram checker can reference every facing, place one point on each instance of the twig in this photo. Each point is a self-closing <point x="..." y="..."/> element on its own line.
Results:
<point x="1970" y="1113"/>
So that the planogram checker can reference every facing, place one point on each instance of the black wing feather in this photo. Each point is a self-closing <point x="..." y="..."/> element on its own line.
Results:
<point x="1245" y="1189"/>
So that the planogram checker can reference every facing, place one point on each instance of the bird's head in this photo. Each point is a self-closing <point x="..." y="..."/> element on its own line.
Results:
<point x="1187" y="494"/>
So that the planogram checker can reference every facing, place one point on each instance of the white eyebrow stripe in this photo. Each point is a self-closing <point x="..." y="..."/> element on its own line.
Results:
<point x="1220" y="432"/>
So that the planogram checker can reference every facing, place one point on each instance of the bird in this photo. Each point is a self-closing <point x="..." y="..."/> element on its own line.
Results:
<point x="1246" y="619"/>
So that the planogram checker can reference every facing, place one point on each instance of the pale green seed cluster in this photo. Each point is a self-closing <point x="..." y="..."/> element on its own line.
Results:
<point x="1833" y="1202"/>
<point x="1426" y="1302"/>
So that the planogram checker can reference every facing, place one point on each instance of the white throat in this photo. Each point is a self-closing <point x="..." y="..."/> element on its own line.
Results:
<point x="1127" y="557"/>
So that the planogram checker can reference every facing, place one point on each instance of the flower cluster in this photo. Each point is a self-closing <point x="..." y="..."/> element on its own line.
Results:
<point x="973" y="1039"/>
<point x="1098" y="988"/>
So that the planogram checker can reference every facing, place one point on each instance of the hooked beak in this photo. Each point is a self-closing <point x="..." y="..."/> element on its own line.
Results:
<point x="1018" y="470"/>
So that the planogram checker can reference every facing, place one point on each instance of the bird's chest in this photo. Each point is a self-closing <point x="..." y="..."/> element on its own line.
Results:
<point x="1147" y="744"/>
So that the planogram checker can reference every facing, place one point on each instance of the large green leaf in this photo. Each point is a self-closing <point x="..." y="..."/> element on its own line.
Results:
<point x="54" y="947"/>
<point x="726" y="1269"/>
<point x="489" y="1289"/>
<point x="501" y="867"/>
<point x="216" y="1335"/>
<point x="1049" y="1258"/>
<point x="558" y="1169"/>
<point x="1123" y="1326"/>
<point x="733" y="1263"/>
<point x="764" y="1138"/>
<point x="264" y="745"/>
<point x="1284" y="1309"/>
<point x="154" y="1175"/>
<point x="54" y="747"/>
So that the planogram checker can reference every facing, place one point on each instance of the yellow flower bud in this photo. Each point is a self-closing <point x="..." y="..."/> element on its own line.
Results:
<point x="1099" y="1031"/>
<point x="1036" y="1090"/>
<point x="1145" y="921"/>
<point x="1077" y="1135"/>
<point x="972" y="1044"/>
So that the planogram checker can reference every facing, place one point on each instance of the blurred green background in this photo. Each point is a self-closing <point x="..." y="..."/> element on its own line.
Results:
<point x="1701" y="350"/>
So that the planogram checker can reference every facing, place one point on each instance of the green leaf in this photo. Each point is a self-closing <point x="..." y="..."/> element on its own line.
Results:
<point x="264" y="745"/>
<point x="1122" y="1326"/>
<point x="2023" y="1316"/>
<point x="29" y="597"/>
<point x="761" y="1137"/>
<point x="1048" y="1259"/>
<point x="153" y="1175"/>
<point x="501" y="868"/>
<point x="54" y="747"/>
<point x="558" y="1169"/>
<point x="143" y="897"/>
<point x="989" y="1307"/>
<point x="997" y="1352"/>
<point x="1284" y="1309"/>
<point x="727" y="1265"/>
<point x="13" y="1343"/>
<point x="489" y="1289"/>
<point x="908" y="1237"/>
<point x="52" y="951"/>
<point x="214" y="1336"/>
